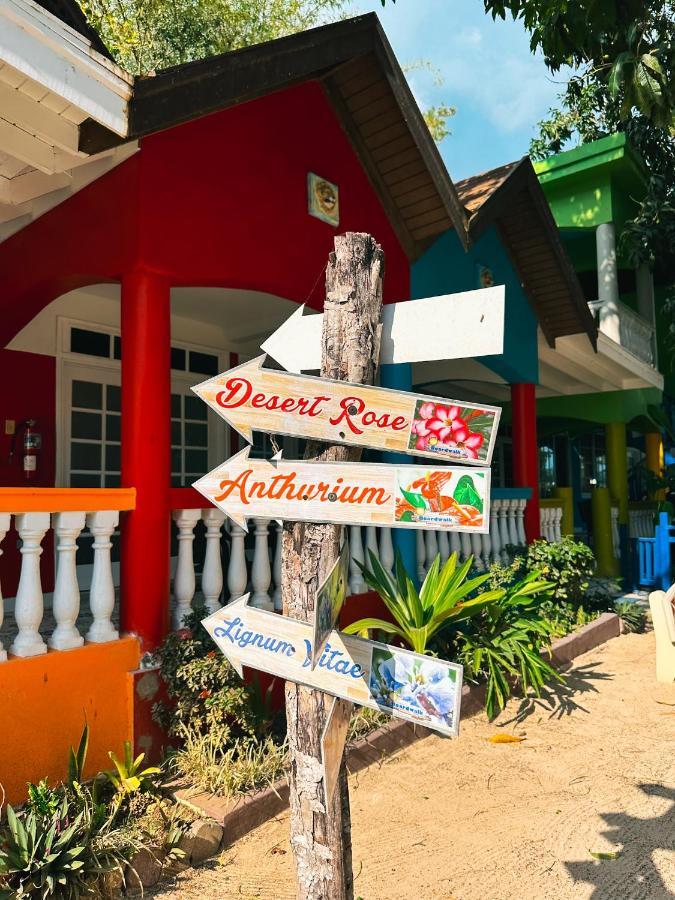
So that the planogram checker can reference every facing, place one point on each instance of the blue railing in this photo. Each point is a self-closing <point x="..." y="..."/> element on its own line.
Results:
<point x="653" y="556"/>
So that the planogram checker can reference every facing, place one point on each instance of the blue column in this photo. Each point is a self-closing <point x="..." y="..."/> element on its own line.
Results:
<point x="399" y="377"/>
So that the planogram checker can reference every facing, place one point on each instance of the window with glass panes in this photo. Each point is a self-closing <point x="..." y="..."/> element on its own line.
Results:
<point x="189" y="438"/>
<point x="94" y="445"/>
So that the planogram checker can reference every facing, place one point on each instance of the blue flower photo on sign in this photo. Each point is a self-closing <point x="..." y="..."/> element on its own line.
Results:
<point x="421" y="686"/>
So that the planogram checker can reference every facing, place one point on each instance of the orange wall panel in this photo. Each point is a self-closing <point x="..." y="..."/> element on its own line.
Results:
<point x="43" y="704"/>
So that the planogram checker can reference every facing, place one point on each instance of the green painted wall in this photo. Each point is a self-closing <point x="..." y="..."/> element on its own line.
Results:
<point x="447" y="268"/>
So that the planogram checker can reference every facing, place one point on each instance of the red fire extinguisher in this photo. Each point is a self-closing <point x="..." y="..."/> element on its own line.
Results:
<point x="32" y="444"/>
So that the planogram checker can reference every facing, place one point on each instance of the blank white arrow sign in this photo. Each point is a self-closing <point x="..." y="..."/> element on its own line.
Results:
<point x="454" y="326"/>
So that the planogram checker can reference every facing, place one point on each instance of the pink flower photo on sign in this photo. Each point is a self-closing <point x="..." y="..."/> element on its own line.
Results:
<point x="459" y="432"/>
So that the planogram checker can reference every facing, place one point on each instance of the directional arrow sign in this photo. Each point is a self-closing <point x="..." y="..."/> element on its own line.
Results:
<point x="406" y="685"/>
<point x="454" y="326"/>
<point x="249" y="397"/>
<point x="439" y="497"/>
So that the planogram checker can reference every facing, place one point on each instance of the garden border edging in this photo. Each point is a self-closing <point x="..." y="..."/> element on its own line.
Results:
<point x="239" y="817"/>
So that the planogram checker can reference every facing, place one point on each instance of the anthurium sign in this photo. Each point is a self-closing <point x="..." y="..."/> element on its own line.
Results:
<point x="437" y="497"/>
<point x="250" y="397"/>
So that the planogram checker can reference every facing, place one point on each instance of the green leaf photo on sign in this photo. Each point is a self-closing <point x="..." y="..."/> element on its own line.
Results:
<point x="416" y="500"/>
<point x="466" y="493"/>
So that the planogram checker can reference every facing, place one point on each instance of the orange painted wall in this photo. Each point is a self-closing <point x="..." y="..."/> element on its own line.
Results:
<point x="43" y="703"/>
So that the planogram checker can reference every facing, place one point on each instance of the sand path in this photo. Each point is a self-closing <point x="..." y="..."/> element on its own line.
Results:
<point x="472" y="820"/>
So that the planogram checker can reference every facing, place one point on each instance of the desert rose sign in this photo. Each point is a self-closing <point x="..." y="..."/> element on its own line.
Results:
<point x="438" y="497"/>
<point x="249" y="397"/>
<point x="406" y="685"/>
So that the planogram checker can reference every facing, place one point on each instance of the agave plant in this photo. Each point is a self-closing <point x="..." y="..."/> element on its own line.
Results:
<point x="56" y="856"/>
<point x="444" y="597"/>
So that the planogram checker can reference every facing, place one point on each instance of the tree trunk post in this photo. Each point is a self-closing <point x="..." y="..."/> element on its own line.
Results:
<point x="321" y="829"/>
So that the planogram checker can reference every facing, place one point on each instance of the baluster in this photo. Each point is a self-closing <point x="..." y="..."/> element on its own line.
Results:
<point x="465" y="541"/>
<point x="544" y="522"/>
<point x="431" y="546"/>
<point x="557" y="524"/>
<point x="520" y="521"/>
<point x="101" y="524"/>
<point x="276" y="568"/>
<point x="4" y="528"/>
<point x="495" y="506"/>
<point x="184" y="578"/>
<point x="261" y="572"/>
<point x="476" y="547"/>
<point x="66" y="601"/>
<point x="212" y="573"/>
<point x="486" y="549"/>
<point x="455" y="544"/>
<point x="386" y="550"/>
<point x="504" y="538"/>
<point x="421" y="556"/>
<point x="371" y="544"/>
<point x="237" y="576"/>
<point x="443" y="546"/>
<point x="356" y="583"/>
<point x="513" y="523"/>
<point x="616" y="545"/>
<point x="29" y="603"/>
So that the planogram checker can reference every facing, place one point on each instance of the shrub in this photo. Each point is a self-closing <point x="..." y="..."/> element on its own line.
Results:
<point x="504" y="643"/>
<point x="568" y="564"/>
<point x="601" y="594"/>
<point x="205" y="691"/>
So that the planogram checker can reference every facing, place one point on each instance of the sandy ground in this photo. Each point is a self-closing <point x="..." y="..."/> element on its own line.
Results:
<point x="472" y="820"/>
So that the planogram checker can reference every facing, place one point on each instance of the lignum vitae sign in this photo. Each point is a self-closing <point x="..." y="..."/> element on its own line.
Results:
<point x="250" y="397"/>
<point x="403" y="684"/>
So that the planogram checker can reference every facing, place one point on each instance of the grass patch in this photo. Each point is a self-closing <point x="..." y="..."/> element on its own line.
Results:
<point x="229" y="771"/>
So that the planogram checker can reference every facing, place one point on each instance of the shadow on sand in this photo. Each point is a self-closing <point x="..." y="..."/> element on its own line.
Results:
<point x="561" y="698"/>
<point x="634" y="875"/>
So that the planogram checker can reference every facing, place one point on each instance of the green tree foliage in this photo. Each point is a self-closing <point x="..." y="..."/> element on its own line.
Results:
<point x="147" y="35"/>
<point x="628" y="46"/>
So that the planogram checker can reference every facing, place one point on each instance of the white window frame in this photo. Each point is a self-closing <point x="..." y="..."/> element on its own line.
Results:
<point x="218" y="449"/>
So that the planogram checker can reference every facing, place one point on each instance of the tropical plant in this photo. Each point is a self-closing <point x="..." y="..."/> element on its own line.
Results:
<point x="634" y="617"/>
<point x="443" y="598"/>
<point x="42" y="799"/>
<point x="504" y="643"/>
<point x="128" y="778"/>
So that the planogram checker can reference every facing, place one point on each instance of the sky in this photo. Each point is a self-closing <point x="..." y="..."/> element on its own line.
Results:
<point x="499" y="88"/>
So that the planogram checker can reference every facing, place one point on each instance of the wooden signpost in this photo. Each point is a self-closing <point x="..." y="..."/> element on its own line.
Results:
<point x="405" y="685"/>
<point x="249" y="397"/>
<point x="454" y="326"/>
<point x="442" y="497"/>
<point x="330" y="488"/>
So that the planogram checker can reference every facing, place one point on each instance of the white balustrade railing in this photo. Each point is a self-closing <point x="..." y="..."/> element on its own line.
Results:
<point x="30" y="624"/>
<point x="550" y="522"/>
<point x="641" y="522"/>
<point x="256" y="570"/>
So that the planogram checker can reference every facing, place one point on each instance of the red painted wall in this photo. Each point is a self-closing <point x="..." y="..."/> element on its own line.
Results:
<point x="221" y="201"/>
<point x="29" y="391"/>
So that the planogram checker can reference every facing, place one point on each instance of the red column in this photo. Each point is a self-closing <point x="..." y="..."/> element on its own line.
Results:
<point x="526" y="452"/>
<point x="146" y="454"/>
